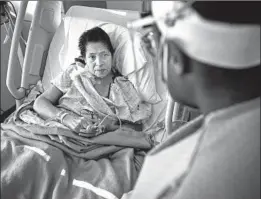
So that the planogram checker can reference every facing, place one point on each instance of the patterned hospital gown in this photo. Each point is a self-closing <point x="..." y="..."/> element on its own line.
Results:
<point x="123" y="98"/>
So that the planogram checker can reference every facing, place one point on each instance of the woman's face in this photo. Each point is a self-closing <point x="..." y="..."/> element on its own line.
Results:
<point x="98" y="59"/>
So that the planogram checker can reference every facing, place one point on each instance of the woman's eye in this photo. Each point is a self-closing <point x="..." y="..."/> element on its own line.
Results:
<point x="92" y="57"/>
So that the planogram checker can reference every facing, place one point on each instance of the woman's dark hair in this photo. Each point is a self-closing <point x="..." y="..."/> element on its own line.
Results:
<point x="94" y="35"/>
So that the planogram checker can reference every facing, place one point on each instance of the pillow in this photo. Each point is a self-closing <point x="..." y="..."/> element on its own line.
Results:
<point x="144" y="81"/>
<point x="123" y="58"/>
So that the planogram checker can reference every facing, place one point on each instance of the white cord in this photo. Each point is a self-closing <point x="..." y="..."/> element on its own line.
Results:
<point x="12" y="24"/>
<point x="163" y="135"/>
<point x="155" y="120"/>
<point x="108" y="116"/>
<point x="7" y="35"/>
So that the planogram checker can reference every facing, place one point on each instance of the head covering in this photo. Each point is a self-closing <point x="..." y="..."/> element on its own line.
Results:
<point x="232" y="46"/>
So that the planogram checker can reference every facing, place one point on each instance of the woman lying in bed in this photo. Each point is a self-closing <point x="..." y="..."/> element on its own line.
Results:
<point x="90" y="96"/>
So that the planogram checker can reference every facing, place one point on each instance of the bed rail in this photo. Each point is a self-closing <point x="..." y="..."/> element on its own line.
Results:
<point x="46" y="19"/>
<point x="18" y="94"/>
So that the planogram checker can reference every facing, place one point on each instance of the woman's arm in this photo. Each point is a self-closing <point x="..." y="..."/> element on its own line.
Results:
<point x="44" y="105"/>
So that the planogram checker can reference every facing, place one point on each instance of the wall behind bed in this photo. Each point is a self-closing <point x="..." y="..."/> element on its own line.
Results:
<point x="125" y="5"/>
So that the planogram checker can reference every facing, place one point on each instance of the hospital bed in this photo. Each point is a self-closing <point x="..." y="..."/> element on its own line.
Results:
<point x="47" y="54"/>
<point x="51" y="47"/>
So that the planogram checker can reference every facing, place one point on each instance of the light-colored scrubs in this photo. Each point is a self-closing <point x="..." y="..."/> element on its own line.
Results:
<point x="218" y="159"/>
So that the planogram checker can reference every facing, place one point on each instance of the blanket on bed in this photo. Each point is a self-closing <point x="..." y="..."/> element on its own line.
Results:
<point x="51" y="162"/>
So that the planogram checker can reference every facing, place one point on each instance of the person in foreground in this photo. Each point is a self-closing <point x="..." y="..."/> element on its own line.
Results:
<point x="90" y="97"/>
<point x="213" y="64"/>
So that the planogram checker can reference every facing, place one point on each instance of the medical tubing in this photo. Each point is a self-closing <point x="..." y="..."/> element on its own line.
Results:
<point x="155" y="120"/>
<point x="12" y="7"/>
<point x="12" y="23"/>
<point x="18" y="94"/>
<point x="7" y="30"/>
<point x="9" y="16"/>
<point x="108" y="116"/>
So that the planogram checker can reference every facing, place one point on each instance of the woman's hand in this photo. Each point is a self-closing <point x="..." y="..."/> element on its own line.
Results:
<point x="78" y="124"/>
<point x="110" y="125"/>
<point x="89" y="127"/>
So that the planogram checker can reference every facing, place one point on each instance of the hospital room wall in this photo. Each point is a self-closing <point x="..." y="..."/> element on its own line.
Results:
<point x="125" y="5"/>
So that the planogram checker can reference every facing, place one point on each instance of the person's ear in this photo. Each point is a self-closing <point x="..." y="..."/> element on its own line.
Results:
<point x="177" y="59"/>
